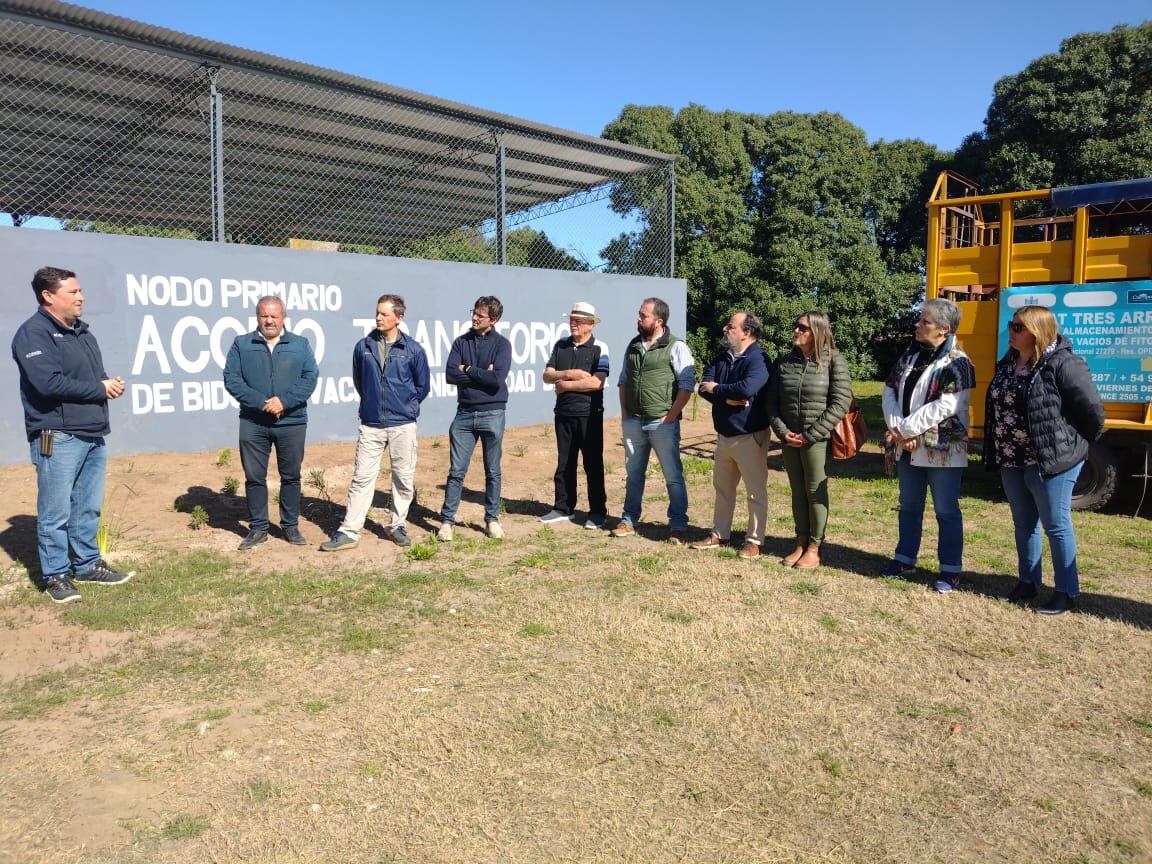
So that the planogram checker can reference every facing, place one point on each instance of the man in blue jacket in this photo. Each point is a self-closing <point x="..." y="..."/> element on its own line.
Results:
<point x="271" y="373"/>
<point x="735" y="384"/>
<point x="390" y="371"/>
<point x="478" y="365"/>
<point x="65" y="392"/>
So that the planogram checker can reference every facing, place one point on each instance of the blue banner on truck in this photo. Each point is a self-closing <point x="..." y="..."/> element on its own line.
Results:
<point x="1109" y="324"/>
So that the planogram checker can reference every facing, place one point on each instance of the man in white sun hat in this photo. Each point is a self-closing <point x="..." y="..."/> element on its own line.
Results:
<point x="577" y="369"/>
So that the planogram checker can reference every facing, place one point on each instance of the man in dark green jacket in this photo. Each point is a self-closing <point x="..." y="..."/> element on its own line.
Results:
<point x="271" y="373"/>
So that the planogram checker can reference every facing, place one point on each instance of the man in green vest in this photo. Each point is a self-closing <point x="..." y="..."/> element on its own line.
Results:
<point x="656" y="381"/>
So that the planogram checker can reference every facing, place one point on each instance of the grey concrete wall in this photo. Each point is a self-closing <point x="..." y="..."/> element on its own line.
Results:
<point x="165" y="313"/>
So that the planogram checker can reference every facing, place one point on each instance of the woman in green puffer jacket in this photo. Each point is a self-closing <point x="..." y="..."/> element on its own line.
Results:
<point x="810" y="391"/>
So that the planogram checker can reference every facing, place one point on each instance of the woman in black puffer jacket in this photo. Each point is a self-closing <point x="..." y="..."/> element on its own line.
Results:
<point x="1041" y="413"/>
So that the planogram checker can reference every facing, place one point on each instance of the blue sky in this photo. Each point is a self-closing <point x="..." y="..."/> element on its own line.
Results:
<point x="897" y="69"/>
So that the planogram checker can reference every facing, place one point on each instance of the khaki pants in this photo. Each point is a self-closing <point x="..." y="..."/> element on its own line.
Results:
<point x="400" y="441"/>
<point x="741" y="457"/>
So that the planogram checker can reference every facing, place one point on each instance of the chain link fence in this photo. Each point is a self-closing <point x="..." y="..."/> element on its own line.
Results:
<point x="100" y="132"/>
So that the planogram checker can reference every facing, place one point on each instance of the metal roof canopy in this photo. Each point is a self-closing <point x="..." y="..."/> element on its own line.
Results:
<point x="239" y="139"/>
<point x="1069" y="197"/>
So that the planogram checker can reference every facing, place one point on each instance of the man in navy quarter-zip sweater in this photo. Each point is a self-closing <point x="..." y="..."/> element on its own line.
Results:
<point x="735" y="384"/>
<point x="390" y="371"/>
<point x="65" y="392"/>
<point x="478" y="365"/>
<point x="271" y="373"/>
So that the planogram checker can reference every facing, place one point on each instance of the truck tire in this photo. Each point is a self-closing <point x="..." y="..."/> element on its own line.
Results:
<point x="1098" y="478"/>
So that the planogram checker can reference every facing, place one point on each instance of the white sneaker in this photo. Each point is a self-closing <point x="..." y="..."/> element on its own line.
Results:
<point x="594" y="523"/>
<point x="444" y="535"/>
<point x="555" y="516"/>
<point x="495" y="531"/>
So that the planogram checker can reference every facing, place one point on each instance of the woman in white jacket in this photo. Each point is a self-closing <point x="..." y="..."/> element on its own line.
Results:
<point x="926" y="400"/>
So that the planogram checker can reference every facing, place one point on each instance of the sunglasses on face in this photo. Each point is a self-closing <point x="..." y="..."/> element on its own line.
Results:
<point x="802" y="328"/>
<point x="1016" y="327"/>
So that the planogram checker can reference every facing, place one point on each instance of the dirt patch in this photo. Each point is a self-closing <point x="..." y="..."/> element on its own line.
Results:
<point x="35" y="640"/>
<point x="151" y="499"/>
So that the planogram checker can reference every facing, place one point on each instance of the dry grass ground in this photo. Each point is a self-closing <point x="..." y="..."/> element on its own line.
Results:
<point x="562" y="696"/>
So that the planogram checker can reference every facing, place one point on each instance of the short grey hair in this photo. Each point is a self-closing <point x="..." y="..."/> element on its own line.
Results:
<point x="943" y="312"/>
<point x="270" y="298"/>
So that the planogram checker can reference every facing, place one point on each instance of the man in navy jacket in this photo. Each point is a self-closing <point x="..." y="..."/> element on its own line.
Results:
<point x="735" y="384"/>
<point x="271" y="373"/>
<point x="65" y="392"/>
<point x="390" y="371"/>
<point x="478" y="365"/>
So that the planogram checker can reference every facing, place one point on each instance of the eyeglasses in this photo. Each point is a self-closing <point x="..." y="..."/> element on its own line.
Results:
<point x="1016" y="327"/>
<point x="802" y="328"/>
<point x="579" y="322"/>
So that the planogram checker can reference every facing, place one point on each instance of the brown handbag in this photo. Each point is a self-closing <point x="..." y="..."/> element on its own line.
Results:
<point x="849" y="435"/>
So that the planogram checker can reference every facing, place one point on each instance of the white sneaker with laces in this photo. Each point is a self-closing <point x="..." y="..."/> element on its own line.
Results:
<point x="495" y="531"/>
<point x="444" y="535"/>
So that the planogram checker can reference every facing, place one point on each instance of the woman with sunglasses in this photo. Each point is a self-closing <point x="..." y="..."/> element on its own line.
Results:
<point x="926" y="399"/>
<point x="1041" y="412"/>
<point x="809" y="393"/>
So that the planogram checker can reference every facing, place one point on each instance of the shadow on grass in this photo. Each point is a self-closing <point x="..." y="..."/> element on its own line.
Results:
<point x="327" y="515"/>
<point x="18" y="540"/>
<point x="1108" y="606"/>
<point x="224" y="512"/>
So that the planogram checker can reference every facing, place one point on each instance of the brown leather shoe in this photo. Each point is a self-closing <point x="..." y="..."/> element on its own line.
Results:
<point x="794" y="556"/>
<point x="677" y="538"/>
<point x="622" y="529"/>
<point x="709" y="542"/>
<point x="749" y="550"/>
<point x="809" y="560"/>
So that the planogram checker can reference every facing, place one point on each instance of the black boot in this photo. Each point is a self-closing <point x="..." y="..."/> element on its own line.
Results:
<point x="1058" y="604"/>
<point x="1022" y="593"/>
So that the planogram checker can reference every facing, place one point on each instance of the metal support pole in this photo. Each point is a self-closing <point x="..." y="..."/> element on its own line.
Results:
<point x="216" y="123"/>
<point x="932" y="264"/>
<point x="1007" y="242"/>
<point x="671" y="187"/>
<point x="1079" y="245"/>
<point x="501" y="201"/>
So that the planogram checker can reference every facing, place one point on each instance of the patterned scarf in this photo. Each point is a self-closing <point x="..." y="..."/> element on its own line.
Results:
<point x="953" y="376"/>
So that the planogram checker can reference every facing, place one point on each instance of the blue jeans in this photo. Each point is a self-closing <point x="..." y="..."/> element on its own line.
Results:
<point x="467" y="428"/>
<point x="641" y="437"/>
<point x="69" y="495"/>
<point x="1036" y="501"/>
<point x="945" y="485"/>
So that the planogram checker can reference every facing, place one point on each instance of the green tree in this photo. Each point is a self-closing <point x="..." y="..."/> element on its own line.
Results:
<point x="527" y="247"/>
<point x="99" y="227"/>
<point x="1081" y="115"/>
<point x="905" y="173"/>
<point x="458" y="244"/>
<point x="524" y="247"/>
<point x="776" y="214"/>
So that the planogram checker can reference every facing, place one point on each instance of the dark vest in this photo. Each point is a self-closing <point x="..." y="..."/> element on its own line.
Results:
<point x="650" y="387"/>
